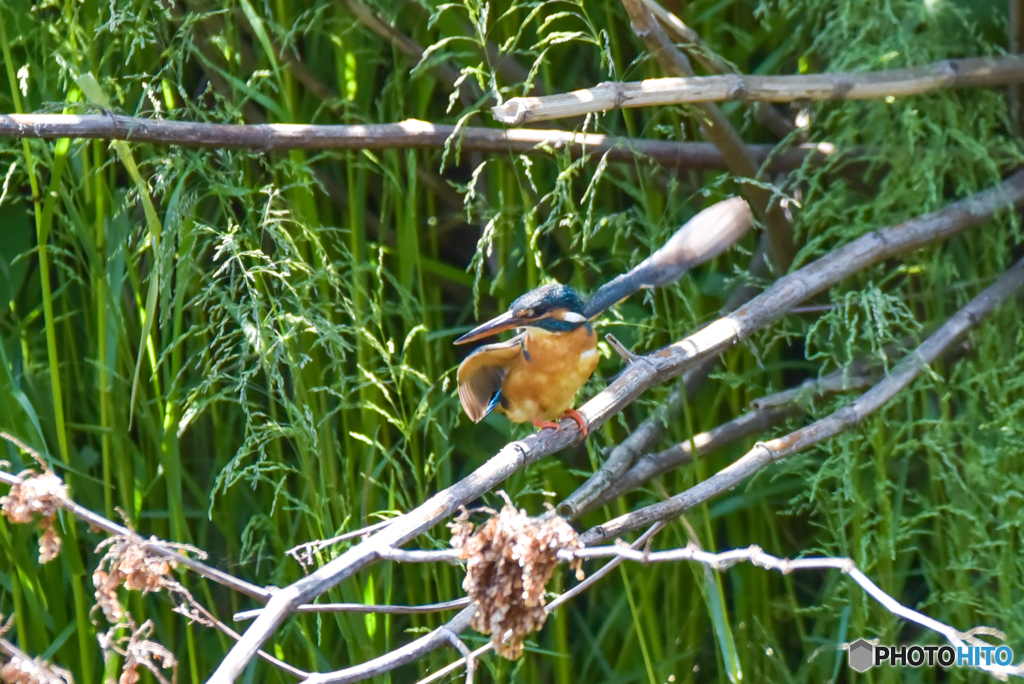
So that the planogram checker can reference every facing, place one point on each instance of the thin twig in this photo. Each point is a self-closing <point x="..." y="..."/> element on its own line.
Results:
<point x="670" y="362"/>
<point x="98" y="521"/>
<point x="205" y="614"/>
<point x="974" y="72"/>
<point x="305" y="554"/>
<point x="420" y="555"/>
<point x="446" y="74"/>
<point x="837" y="381"/>
<point x="467" y="655"/>
<point x="362" y="608"/>
<point x="400" y="656"/>
<point x="775" y="450"/>
<point x="756" y="556"/>
<point x="409" y="134"/>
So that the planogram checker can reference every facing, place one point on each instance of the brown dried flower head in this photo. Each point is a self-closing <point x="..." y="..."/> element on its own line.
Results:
<point x="509" y="562"/>
<point x="37" y="494"/>
<point x="139" y="652"/>
<point x="127" y="562"/>
<point x="40" y="494"/>
<point x="36" y="671"/>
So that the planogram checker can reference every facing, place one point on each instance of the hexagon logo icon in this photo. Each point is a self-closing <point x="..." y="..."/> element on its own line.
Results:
<point x="862" y="655"/>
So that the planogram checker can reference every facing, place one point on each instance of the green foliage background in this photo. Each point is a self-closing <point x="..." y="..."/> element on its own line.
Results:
<point x="297" y="377"/>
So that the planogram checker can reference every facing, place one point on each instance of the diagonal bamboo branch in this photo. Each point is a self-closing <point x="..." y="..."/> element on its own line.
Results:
<point x="652" y="465"/>
<point x="698" y="50"/>
<point x="774" y="450"/>
<point x="974" y="72"/>
<point x="402" y="135"/>
<point x="715" y="128"/>
<point x="448" y="75"/>
<point x="613" y="479"/>
<point x="646" y="371"/>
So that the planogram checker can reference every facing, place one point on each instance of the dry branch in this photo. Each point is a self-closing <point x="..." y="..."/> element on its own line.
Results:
<point x="715" y="128"/>
<point x="364" y="608"/>
<point x="975" y="72"/>
<point x="613" y="478"/>
<point x="698" y="50"/>
<point x="775" y="450"/>
<point x="402" y="135"/>
<point x="652" y="465"/>
<point x="143" y="573"/>
<point x="638" y="376"/>
<point x="756" y="556"/>
<point x="414" y="650"/>
<point x="154" y="547"/>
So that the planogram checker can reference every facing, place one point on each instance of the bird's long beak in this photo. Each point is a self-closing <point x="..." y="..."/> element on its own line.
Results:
<point x="494" y="326"/>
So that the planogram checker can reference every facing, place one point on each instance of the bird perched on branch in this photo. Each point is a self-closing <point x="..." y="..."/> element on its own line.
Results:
<point x="535" y="375"/>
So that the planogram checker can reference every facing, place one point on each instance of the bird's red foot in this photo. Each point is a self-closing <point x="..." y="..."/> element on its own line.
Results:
<point x="571" y="413"/>
<point x="580" y="420"/>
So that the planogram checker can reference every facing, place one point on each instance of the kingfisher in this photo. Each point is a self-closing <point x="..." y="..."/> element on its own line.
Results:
<point x="535" y="376"/>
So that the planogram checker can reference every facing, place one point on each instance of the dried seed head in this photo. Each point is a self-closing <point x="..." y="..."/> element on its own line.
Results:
<point x="37" y="494"/>
<point x="509" y="562"/>
<point x="40" y="494"/>
<point x="36" y="671"/>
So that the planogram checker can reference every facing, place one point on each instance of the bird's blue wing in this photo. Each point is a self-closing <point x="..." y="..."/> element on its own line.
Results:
<point x="495" y="400"/>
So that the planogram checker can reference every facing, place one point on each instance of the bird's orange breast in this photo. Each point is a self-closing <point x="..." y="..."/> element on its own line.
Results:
<point x="543" y="381"/>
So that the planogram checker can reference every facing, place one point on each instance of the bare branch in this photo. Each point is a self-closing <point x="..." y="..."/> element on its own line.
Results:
<point x="400" y="656"/>
<point x="777" y="449"/>
<point x="467" y="655"/>
<point x="696" y="47"/>
<point x="715" y="128"/>
<point x="409" y="134"/>
<point x="200" y="614"/>
<point x="974" y="72"/>
<point x="420" y="556"/>
<point x="362" y="608"/>
<point x="156" y="548"/>
<point x="756" y="556"/>
<point x="650" y="466"/>
<point x="612" y="479"/>
<point x="713" y="339"/>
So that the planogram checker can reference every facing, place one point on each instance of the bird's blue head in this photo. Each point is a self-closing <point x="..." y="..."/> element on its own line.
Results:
<point x="554" y="308"/>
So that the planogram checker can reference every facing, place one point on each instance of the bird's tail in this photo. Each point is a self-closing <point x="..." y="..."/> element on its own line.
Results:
<point x="703" y="237"/>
